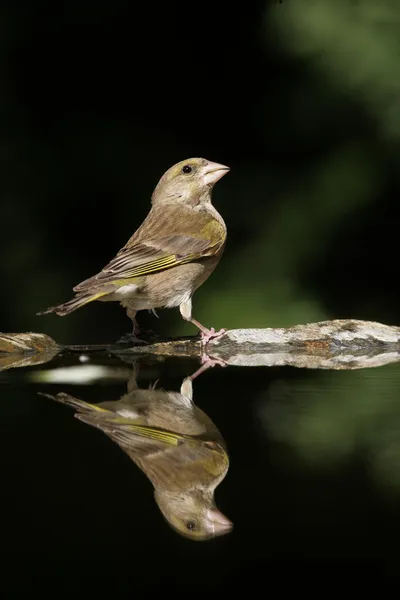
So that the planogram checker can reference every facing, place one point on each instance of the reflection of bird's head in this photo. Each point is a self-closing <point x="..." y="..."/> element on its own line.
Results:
<point x="193" y="514"/>
<point x="188" y="179"/>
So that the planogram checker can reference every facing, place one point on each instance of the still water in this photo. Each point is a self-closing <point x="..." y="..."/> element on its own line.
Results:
<point x="245" y="467"/>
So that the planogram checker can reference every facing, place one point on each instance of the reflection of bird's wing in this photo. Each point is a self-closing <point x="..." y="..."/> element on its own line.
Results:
<point x="163" y="455"/>
<point x="171" y="461"/>
<point x="161" y="243"/>
<point x="157" y="408"/>
<point x="126" y="433"/>
<point x="122" y="429"/>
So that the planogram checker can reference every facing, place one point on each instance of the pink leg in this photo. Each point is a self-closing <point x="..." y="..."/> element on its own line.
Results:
<point x="207" y="334"/>
<point x="208" y="363"/>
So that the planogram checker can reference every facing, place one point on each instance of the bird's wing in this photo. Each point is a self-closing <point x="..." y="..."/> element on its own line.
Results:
<point x="113" y="423"/>
<point x="154" y="248"/>
<point x="141" y="442"/>
<point x="164" y="456"/>
<point x="130" y="436"/>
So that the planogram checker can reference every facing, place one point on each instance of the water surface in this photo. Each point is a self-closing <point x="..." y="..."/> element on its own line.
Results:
<point x="313" y="476"/>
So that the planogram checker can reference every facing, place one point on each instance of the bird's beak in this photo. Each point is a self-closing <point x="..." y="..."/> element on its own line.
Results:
<point x="213" y="172"/>
<point x="218" y="522"/>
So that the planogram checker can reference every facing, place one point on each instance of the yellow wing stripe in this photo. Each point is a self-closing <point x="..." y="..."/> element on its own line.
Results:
<point x="82" y="302"/>
<point x="157" y="265"/>
<point x="124" y="423"/>
<point x="158" y="435"/>
<point x="164" y="263"/>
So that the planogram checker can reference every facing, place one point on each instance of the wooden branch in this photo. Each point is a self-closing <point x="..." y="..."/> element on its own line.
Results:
<point x="338" y="344"/>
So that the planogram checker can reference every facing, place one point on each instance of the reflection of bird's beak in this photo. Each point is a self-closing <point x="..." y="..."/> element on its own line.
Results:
<point x="213" y="172"/>
<point x="218" y="522"/>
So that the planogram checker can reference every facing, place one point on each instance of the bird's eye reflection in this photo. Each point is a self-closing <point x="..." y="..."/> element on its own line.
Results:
<point x="187" y="169"/>
<point x="191" y="525"/>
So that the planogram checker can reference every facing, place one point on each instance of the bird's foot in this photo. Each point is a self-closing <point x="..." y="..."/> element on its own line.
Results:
<point x="211" y="334"/>
<point x="211" y="361"/>
<point x="208" y="362"/>
<point x="206" y="334"/>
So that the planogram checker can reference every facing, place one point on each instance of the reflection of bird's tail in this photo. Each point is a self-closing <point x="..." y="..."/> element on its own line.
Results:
<point x="71" y="305"/>
<point x="91" y="414"/>
<point x="79" y="405"/>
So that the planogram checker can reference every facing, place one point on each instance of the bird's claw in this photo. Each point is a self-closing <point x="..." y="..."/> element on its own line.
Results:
<point x="211" y="362"/>
<point x="211" y="334"/>
<point x="207" y="362"/>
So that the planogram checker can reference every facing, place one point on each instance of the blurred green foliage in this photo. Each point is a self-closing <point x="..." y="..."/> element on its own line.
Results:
<point x="353" y="43"/>
<point x="331" y="419"/>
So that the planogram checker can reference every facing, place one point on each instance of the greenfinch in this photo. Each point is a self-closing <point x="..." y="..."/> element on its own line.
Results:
<point x="173" y="252"/>
<point x="175" y="444"/>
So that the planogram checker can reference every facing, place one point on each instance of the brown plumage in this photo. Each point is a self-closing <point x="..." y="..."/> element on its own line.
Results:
<point x="175" y="444"/>
<point x="173" y="252"/>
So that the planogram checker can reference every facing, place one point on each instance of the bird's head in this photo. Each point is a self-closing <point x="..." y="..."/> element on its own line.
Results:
<point x="188" y="181"/>
<point x="193" y="514"/>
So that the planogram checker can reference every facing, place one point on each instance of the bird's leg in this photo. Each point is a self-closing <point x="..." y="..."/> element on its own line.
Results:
<point x="134" y="337"/>
<point x="132" y="382"/>
<point x="187" y="388"/>
<point x="206" y="334"/>
<point x="207" y="363"/>
<point x="132" y="315"/>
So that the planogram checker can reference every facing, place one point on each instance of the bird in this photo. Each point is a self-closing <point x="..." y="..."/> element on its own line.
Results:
<point x="175" y="444"/>
<point x="170" y="255"/>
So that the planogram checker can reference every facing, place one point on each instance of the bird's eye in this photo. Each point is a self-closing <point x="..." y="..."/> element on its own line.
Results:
<point x="187" y="169"/>
<point x="191" y="525"/>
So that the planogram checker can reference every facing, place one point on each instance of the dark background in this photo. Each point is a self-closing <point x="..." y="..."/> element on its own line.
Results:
<point x="97" y="100"/>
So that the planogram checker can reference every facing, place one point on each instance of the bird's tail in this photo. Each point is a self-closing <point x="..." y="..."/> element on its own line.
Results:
<point x="76" y="403"/>
<point x="68" y="307"/>
<point x="86" y="412"/>
<point x="92" y="414"/>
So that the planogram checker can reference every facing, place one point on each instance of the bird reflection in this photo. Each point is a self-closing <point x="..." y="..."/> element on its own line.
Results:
<point x="175" y="444"/>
